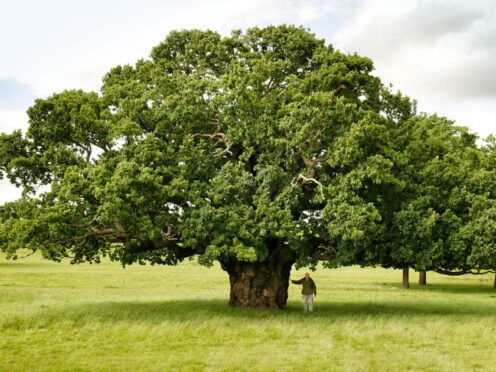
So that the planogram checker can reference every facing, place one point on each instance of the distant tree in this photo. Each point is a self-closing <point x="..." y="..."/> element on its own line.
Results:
<point x="447" y="203"/>
<point x="480" y="232"/>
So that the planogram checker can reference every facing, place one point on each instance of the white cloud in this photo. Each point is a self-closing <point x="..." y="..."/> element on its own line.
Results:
<point x="66" y="46"/>
<point x="478" y="114"/>
<point x="441" y="53"/>
<point x="12" y="120"/>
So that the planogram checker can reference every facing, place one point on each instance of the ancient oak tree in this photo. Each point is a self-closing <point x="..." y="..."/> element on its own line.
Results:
<point x="258" y="150"/>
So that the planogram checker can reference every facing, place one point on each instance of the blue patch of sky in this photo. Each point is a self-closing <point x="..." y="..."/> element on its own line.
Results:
<point x="14" y="95"/>
<point x="329" y="24"/>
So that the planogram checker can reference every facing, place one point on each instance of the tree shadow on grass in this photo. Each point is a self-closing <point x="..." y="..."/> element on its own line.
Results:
<point x="217" y="310"/>
<point x="457" y="288"/>
<point x="15" y="265"/>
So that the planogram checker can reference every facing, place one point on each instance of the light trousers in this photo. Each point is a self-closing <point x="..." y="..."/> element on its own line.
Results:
<point x="307" y="302"/>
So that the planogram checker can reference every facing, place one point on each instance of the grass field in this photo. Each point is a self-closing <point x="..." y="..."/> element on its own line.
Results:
<point x="106" y="318"/>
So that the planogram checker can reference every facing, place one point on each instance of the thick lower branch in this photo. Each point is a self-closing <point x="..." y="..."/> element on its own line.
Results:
<point x="134" y="245"/>
<point x="170" y="245"/>
<point x="78" y="240"/>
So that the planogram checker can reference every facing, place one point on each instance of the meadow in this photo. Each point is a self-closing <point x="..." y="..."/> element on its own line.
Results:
<point x="57" y="316"/>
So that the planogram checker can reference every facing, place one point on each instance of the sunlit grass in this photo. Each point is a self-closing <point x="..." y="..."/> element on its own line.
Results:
<point x="103" y="317"/>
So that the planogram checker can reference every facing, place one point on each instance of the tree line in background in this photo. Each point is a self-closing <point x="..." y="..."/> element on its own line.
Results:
<point x="260" y="150"/>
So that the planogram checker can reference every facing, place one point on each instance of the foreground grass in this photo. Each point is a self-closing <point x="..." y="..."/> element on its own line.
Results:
<point x="103" y="317"/>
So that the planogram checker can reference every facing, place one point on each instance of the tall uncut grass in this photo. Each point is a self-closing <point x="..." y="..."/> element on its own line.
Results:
<point x="104" y="318"/>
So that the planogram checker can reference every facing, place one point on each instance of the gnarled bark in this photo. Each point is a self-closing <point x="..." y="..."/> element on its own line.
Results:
<point x="261" y="284"/>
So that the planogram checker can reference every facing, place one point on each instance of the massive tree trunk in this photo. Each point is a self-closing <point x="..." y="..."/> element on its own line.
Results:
<point x="406" y="278"/>
<point x="422" y="278"/>
<point x="261" y="284"/>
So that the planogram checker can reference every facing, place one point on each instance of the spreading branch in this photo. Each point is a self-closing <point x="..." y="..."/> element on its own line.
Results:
<point x="118" y="237"/>
<point x="168" y="234"/>
<point x="337" y="90"/>
<point x="221" y="139"/>
<point x="169" y="245"/>
<point x="219" y="136"/>
<point x="214" y="121"/>
<point x="326" y="248"/>
<point x="26" y="255"/>
<point x="311" y="163"/>
<point x="314" y="137"/>
<point x="80" y="240"/>
<point x="307" y="180"/>
<point x="463" y="272"/>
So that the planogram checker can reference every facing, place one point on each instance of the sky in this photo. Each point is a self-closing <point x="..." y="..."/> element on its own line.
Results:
<point x="440" y="52"/>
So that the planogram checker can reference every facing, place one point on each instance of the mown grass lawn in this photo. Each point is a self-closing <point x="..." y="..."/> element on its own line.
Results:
<point x="104" y="318"/>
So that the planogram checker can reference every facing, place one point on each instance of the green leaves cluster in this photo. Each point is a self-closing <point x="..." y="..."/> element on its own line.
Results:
<point x="219" y="146"/>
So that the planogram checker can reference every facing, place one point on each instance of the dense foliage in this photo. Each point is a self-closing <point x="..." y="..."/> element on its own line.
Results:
<point x="267" y="146"/>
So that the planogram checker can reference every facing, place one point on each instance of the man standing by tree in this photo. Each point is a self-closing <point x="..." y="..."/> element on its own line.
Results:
<point x="308" y="291"/>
